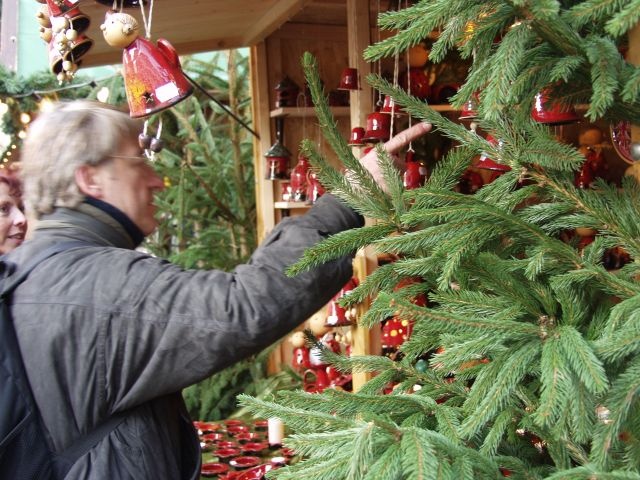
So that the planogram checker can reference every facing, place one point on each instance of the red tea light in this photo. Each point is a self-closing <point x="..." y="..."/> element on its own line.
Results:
<point x="230" y="476"/>
<point x="244" y="437"/>
<point x="223" y="453"/>
<point x="278" y="461"/>
<point x="213" y="469"/>
<point x="212" y="437"/>
<point x="288" y="452"/>
<point x="254" y="447"/>
<point x="240" y="463"/>
<point x="261" y="425"/>
<point x="209" y="427"/>
<point x="233" y="423"/>
<point x="206" y="446"/>
<point x="227" y="444"/>
<point x="236" y="429"/>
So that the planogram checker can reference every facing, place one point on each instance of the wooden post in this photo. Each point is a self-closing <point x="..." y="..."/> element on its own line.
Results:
<point x="364" y="341"/>
<point x="262" y="121"/>
<point x="9" y="35"/>
<point x="359" y="38"/>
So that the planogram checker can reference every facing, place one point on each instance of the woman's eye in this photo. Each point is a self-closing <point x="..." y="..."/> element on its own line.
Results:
<point x="5" y="208"/>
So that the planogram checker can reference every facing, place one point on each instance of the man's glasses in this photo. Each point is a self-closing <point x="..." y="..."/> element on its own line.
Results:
<point x="135" y="158"/>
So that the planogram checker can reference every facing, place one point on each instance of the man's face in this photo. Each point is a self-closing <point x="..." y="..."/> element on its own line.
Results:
<point x="129" y="182"/>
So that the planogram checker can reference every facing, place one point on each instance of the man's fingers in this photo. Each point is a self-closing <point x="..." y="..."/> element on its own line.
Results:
<point x="403" y="138"/>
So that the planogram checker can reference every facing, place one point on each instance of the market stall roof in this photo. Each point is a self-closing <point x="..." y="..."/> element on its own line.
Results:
<point x="193" y="26"/>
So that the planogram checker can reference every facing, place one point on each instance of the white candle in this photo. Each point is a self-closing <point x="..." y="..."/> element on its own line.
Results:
<point x="275" y="431"/>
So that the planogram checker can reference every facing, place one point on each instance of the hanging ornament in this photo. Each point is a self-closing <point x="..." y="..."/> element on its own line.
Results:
<point x="43" y="16"/>
<point x="349" y="79"/>
<point x="298" y="181"/>
<point x="300" y="360"/>
<point x="470" y="107"/>
<point x="628" y="151"/>
<point x="152" y="74"/>
<point x="421" y="365"/>
<point x="338" y="316"/>
<point x="149" y="143"/>
<point x="378" y="128"/>
<point x="415" y="174"/>
<point x="552" y="113"/>
<point x="486" y="163"/>
<point x="470" y="182"/>
<point x="278" y="155"/>
<point x="315" y="189"/>
<point x="389" y="106"/>
<point x="394" y="333"/>
<point x="621" y="139"/>
<point x="62" y="27"/>
<point x="418" y="55"/>
<point x="416" y="83"/>
<point x="595" y="165"/>
<point x="286" y="93"/>
<point x="122" y="3"/>
<point x="357" y="137"/>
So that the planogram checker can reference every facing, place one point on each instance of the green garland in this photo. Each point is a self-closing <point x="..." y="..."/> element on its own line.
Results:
<point x="25" y="94"/>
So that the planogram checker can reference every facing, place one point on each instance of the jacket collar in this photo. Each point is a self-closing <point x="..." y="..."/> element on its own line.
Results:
<point x="91" y="223"/>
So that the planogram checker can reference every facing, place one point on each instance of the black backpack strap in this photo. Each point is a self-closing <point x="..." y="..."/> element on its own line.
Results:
<point x="66" y="459"/>
<point x="10" y="280"/>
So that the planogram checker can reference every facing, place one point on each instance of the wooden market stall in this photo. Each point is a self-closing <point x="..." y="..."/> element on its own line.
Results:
<point x="278" y="32"/>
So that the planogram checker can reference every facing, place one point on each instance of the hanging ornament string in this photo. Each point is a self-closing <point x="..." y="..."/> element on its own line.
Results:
<point x="410" y="149"/>
<point x="396" y="68"/>
<point x="147" y="22"/>
<point x="379" y="102"/>
<point x="301" y="102"/>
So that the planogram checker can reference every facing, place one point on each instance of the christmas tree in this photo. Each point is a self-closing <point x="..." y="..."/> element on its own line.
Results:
<point x="525" y="361"/>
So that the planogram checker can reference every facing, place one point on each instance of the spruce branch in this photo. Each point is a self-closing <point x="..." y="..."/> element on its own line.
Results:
<point x="556" y="386"/>
<point x="514" y="368"/>
<point x="590" y="11"/>
<point x="624" y="20"/>
<point x="387" y="466"/>
<point x="605" y="65"/>
<point x="298" y="419"/>
<point x="339" y="245"/>
<point x="451" y="323"/>
<point x="344" y="186"/>
<point x="330" y="130"/>
<point x="580" y="357"/>
<point x="419" y="459"/>
<point x="622" y="398"/>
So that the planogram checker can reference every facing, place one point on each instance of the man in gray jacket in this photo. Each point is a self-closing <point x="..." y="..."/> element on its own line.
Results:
<point x="104" y="328"/>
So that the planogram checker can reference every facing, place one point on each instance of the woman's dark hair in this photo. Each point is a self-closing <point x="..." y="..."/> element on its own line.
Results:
<point x="15" y="186"/>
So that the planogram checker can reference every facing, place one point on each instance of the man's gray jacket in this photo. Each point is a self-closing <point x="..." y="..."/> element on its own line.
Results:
<point x="105" y="328"/>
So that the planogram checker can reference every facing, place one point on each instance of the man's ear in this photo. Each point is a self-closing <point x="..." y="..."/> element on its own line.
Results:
<point x="88" y="181"/>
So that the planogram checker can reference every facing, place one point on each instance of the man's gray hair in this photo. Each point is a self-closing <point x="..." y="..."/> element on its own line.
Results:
<point x="72" y="134"/>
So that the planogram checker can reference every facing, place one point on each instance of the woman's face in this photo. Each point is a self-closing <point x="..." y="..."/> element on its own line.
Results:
<point x="13" y="223"/>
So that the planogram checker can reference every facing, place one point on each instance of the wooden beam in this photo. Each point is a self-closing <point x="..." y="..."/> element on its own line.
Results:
<point x="364" y="341"/>
<point x="9" y="35"/>
<point x="297" y="31"/>
<point x="279" y="14"/>
<point x="262" y="121"/>
<point x="359" y="38"/>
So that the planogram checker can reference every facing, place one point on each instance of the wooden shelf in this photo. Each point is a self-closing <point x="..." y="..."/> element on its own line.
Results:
<point x="443" y="108"/>
<point x="337" y="111"/>
<point x="307" y="112"/>
<point x="290" y="205"/>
